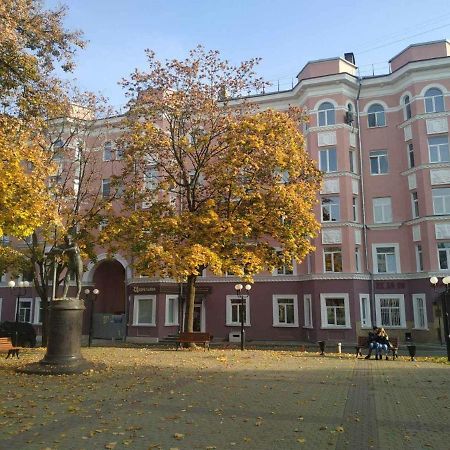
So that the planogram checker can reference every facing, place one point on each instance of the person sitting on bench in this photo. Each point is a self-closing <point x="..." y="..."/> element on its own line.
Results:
<point x="372" y="341"/>
<point x="383" y="344"/>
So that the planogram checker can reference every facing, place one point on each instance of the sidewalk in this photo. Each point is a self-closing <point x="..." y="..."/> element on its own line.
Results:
<point x="152" y="398"/>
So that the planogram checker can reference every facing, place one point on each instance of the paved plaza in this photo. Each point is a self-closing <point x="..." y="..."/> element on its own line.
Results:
<point x="155" y="398"/>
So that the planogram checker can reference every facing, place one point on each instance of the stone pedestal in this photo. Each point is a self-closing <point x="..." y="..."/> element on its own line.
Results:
<point x="64" y="340"/>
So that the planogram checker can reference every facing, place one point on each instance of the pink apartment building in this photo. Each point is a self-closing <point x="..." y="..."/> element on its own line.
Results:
<point x="382" y="143"/>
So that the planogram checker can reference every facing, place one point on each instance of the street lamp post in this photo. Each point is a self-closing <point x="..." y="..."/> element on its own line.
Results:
<point x="22" y="290"/>
<point x="95" y="292"/>
<point x="238" y="288"/>
<point x="446" y="281"/>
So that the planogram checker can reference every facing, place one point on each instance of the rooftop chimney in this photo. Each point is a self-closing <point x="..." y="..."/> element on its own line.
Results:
<point x="350" y="57"/>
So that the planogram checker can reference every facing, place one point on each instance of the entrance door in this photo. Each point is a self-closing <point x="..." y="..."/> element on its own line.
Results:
<point x="197" y="317"/>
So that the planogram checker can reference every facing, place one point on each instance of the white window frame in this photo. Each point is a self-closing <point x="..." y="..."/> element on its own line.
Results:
<point x="107" y="148"/>
<point x="284" y="269"/>
<point x="447" y="254"/>
<point x="106" y="192"/>
<point x="379" y="116"/>
<point x="307" y="311"/>
<point x="357" y="259"/>
<point x="419" y="257"/>
<point x="382" y="209"/>
<point x="416" y="312"/>
<point x="326" y="117"/>
<point x="333" y="208"/>
<point x="415" y="204"/>
<point x="275" y="310"/>
<point x="229" y="322"/>
<point x="441" y="201"/>
<point x="355" y="211"/>
<point x="407" y="113"/>
<point x="401" y="298"/>
<point x="366" y="319"/>
<point x="136" y="300"/>
<point x="334" y="251"/>
<point x="442" y="150"/>
<point x="432" y="99"/>
<point x="1" y="301"/>
<point x="396" y="254"/>
<point x="175" y="322"/>
<point x="378" y="155"/>
<point x="323" y="311"/>
<point x="411" y="155"/>
<point x="22" y="300"/>
<point x="328" y="152"/>
<point x="36" y="309"/>
<point x="352" y="161"/>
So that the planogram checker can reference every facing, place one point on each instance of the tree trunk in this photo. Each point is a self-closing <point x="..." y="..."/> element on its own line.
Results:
<point x="190" y="299"/>
<point x="45" y="322"/>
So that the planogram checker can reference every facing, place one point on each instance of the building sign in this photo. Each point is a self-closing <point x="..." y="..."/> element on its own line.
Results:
<point x="143" y="289"/>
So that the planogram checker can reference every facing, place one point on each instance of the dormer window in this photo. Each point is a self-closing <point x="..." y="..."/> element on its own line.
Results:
<point x="434" y="100"/>
<point x="376" y="116"/>
<point x="327" y="114"/>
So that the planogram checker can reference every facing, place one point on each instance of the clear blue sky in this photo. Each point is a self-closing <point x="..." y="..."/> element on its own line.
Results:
<point x="284" y="33"/>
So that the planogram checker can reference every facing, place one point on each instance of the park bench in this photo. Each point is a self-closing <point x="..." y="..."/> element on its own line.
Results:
<point x="195" y="337"/>
<point x="363" y="342"/>
<point x="6" y="346"/>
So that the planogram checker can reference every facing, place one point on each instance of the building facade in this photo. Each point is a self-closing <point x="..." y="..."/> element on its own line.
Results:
<point x="384" y="207"/>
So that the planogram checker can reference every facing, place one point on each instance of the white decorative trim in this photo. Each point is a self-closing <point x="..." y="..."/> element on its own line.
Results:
<point x="367" y="323"/>
<point x="88" y="276"/>
<point x="137" y="298"/>
<point x="412" y="181"/>
<point x="36" y="308"/>
<point x="415" y="297"/>
<point x="416" y="233"/>
<point x="437" y="125"/>
<point x="170" y="297"/>
<point x="307" y="311"/>
<point x="401" y="297"/>
<point x="323" y="311"/>
<point x="275" y="315"/>
<point x="397" y="256"/>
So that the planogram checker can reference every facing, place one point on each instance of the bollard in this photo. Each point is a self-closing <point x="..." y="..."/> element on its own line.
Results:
<point x="339" y="347"/>
<point x="322" y="347"/>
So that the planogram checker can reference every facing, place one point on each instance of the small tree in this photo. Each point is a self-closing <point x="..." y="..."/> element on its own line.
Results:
<point x="210" y="183"/>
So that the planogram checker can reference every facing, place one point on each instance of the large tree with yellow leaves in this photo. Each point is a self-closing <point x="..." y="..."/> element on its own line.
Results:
<point x="211" y="182"/>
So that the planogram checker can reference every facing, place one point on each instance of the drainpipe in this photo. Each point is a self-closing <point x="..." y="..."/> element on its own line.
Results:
<point x="363" y="212"/>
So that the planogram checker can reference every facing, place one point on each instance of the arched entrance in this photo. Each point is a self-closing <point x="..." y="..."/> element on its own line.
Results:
<point x="109" y="307"/>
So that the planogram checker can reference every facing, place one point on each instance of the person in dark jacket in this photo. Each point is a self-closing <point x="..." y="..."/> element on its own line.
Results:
<point x="372" y="341"/>
<point x="383" y="344"/>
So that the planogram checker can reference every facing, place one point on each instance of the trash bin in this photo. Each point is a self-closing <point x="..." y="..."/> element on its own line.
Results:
<point x="408" y="337"/>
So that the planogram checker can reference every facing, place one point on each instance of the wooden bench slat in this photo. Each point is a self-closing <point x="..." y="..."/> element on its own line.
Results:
<point x="363" y="342"/>
<point x="195" y="338"/>
<point x="6" y="346"/>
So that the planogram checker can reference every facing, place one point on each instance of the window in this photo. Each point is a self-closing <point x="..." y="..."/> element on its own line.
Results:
<point x="357" y="260"/>
<point x="407" y="105"/>
<point x="327" y="114"/>
<point x="438" y="149"/>
<point x="328" y="160"/>
<point x="285" y="311"/>
<point x="332" y="259"/>
<point x="415" y="205"/>
<point x="107" y="151"/>
<point x="24" y="310"/>
<point x="441" y="201"/>
<point x="38" y="311"/>
<point x="151" y="179"/>
<point x="434" y="100"/>
<point x="382" y="210"/>
<point x="386" y="259"/>
<point x="144" y="312"/>
<point x="352" y="161"/>
<point x="5" y="240"/>
<point x="171" y="310"/>
<point x="233" y="310"/>
<point x="119" y="153"/>
<point x="444" y="255"/>
<point x="420" y="312"/>
<point x="106" y="187"/>
<point x="376" y="116"/>
<point x="307" y="311"/>
<point x="335" y="312"/>
<point x="364" y="311"/>
<point x="419" y="258"/>
<point x="330" y="209"/>
<point x="390" y="310"/>
<point x="411" y="162"/>
<point x="355" y="209"/>
<point x="378" y="162"/>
